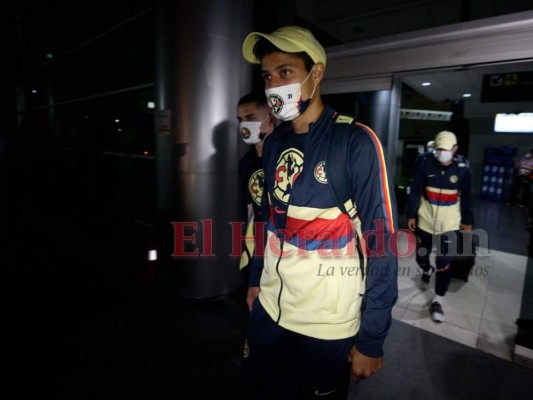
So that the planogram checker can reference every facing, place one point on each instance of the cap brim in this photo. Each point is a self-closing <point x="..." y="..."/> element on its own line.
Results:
<point x="281" y="43"/>
<point x="444" y="146"/>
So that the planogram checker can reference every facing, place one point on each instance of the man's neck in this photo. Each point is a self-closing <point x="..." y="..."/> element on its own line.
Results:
<point x="259" y="149"/>
<point x="259" y="146"/>
<point x="311" y="114"/>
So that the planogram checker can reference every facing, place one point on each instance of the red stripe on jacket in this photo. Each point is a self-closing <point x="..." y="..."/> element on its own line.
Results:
<point x="384" y="182"/>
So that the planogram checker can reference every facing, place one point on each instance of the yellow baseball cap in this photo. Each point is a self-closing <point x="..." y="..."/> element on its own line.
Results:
<point x="291" y="39"/>
<point x="445" y="140"/>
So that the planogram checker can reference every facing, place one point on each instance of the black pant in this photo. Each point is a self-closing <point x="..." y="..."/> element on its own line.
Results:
<point x="279" y="364"/>
<point x="446" y="248"/>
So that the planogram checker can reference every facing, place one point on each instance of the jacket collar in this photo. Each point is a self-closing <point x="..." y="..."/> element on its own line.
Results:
<point x="315" y="128"/>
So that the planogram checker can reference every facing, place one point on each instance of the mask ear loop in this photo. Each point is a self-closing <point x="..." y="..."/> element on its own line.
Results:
<point x="262" y="134"/>
<point x="307" y="77"/>
<point x="312" y="93"/>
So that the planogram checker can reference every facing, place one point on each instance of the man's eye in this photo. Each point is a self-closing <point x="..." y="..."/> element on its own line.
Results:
<point x="266" y="77"/>
<point x="285" y="72"/>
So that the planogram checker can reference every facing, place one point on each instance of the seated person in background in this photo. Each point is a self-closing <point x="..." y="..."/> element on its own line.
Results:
<point x="522" y="180"/>
<point x="430" y="152"/>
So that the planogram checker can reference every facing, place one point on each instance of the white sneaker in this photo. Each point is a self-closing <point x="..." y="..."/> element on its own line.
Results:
<point x="437" y="314"/>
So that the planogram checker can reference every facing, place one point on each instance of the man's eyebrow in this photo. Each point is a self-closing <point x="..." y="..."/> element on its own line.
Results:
<point x="249" y="115"/>
<point x="278" y="67"/>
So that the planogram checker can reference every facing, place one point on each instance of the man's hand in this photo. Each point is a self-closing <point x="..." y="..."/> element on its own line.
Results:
<point x="253" y="292"/>
<point x="363" y="366"/>
<point x="465" y="228"/>
<point x="411" y="224"/>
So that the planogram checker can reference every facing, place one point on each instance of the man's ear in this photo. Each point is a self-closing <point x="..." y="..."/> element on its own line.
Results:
<point x="318" y="72"/>
<point x="455" y="148"/>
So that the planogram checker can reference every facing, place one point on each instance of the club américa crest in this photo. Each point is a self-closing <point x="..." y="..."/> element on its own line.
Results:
<point x="289" y="167"/>
<point x="276" y="102"/>
<point x="320" y="172"/>
<point x="245" y="132"/>
<point x="255" y="185"/>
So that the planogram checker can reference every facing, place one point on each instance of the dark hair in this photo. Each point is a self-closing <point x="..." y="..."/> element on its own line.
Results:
<point x="253" y="97"/>
<point x="264" y="47"/>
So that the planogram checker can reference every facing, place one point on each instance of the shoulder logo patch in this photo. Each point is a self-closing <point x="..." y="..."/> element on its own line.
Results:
<point x="343" y="119"/>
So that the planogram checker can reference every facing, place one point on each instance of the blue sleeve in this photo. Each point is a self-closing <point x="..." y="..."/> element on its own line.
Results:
<point x="376" y="205"/>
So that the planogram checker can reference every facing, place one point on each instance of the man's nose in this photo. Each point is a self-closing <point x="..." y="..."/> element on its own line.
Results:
<point x="274" y="82"/>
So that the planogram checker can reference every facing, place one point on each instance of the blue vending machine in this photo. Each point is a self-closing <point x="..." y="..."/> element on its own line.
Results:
<point x="498" y="172"/>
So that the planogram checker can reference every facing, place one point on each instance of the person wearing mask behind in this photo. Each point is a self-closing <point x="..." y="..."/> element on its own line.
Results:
<point x="256" y="122"/>
<point x="306" y="294"/>
<point x="440" y="206"/>
<point x="430" y="152"/>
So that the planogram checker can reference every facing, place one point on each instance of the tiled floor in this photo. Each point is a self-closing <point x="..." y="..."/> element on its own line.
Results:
<point x="481" y="312"/>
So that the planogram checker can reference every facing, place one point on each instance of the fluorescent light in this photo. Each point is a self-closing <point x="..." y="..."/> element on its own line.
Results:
<point x="426" y="83"/>
<point x="431" y="115"/>
<point x="514" y="123"/>
<point x="467" y="95"/>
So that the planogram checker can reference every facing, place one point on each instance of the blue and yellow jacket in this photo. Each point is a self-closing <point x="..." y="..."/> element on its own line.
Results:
<point x="315" y="269"/>
<point x="441" y="196"/>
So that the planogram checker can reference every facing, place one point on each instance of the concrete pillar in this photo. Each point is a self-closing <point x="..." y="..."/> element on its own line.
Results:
<point x="200" y="75"/>
<point x="460" y="126"/>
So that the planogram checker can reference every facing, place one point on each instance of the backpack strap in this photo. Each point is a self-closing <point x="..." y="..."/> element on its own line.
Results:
<point x="336" y="161"/>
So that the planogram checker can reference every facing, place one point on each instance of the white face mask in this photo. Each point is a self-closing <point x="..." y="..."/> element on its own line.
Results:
<point x="286" y="101"/>
<point x="444" y="156"/>
<point x="251" y="131"/>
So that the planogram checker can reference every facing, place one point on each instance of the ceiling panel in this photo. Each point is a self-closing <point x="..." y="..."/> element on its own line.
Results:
<point x="350" y="21"/>
<point x="452" y="84"/>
